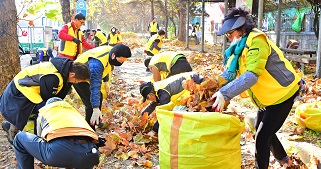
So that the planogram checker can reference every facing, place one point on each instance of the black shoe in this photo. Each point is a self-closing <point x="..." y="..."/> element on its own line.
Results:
<point x="11" y="131"/>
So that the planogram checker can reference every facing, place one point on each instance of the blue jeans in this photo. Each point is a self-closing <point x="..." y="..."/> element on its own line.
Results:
<point x="59" y="152"/>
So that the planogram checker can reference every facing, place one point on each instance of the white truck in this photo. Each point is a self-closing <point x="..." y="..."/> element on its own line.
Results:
<point x="32" y="38"/>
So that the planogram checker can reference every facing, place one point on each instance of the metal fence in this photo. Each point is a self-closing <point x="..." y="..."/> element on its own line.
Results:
<point x="287" y="20"/>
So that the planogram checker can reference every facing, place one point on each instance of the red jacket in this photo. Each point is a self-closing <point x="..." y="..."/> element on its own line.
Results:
<point x="63" y="34"/>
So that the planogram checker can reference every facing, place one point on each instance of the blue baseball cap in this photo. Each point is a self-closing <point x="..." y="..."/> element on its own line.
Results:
<point x="231" y="23"/>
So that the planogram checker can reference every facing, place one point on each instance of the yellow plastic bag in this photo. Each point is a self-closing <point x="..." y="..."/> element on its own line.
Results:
<point x="202" y="140"/>
<point x="309" y="115"/>
<point x="29" y="126"/>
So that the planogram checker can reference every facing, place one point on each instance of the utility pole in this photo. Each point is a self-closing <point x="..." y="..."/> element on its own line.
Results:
<point x="260" y="15"/>
<point x="203" y="13"/>
<point x="278" y="24"/>
<point x="318" y="68"/>
<point x="187" y="26"/>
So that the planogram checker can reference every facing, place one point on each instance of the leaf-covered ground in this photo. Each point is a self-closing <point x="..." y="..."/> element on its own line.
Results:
<point x="129" y="141"/>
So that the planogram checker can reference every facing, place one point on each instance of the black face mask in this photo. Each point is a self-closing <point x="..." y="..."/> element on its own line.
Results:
<point x="114" y="61"/>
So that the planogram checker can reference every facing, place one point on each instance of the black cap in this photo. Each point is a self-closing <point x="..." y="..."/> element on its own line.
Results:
<point x="121" y="50"/>
<point x="145" y="89"/>
<point x="231" y="23"/>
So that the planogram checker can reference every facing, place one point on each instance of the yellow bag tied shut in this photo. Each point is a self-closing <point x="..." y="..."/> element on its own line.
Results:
<point x="202" y="140"/>
<point x="309" y="115"/>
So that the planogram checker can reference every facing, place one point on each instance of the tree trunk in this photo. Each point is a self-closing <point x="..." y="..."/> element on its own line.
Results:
<point x="152" y="8"/>
<point x="9" y="55"/>
<point x="166" y="22"/>
<point x="182" y="21"/>
<point x="65" y="6"/>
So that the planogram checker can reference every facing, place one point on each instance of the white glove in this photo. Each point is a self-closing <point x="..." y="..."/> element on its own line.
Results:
<point x="218" y="104"/>
<point x="95" y="116"/>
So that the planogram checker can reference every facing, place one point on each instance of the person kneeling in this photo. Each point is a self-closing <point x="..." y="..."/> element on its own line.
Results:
<point x="64" y="139"/>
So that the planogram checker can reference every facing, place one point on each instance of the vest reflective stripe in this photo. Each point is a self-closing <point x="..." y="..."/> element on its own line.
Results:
<point x="113" y="38"/>
<point x="101" y="53"/>
<point x="27" y="81"/>
<point x="150" y="43"/>
<point x="59" y="115"/>
<point x="276" y="81"/>
<point x="153" y="27"/>
<point x="69" y="47"/>
<point x="101" y="37"/>
<point x="173" y="85"/>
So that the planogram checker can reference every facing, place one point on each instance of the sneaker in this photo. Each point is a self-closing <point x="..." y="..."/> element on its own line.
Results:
<point x="285" y="161"/>
<point x="11" y="131"/>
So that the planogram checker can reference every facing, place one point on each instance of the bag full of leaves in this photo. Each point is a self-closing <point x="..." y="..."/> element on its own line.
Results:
<point x="198" y="139"/>
<point x="309" y="115"/>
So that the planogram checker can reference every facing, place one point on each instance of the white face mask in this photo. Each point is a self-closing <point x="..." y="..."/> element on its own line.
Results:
<point x="235" y="40"/>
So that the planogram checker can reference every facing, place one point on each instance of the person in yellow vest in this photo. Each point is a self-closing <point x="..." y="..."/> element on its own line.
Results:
<point x="33" y="86"/>
<point x="165" y="91"/>
<point x="100" y="37"/>
<point x="72" y="39"/>
<point x="42" y="55"/>
<point x="100" y="61"/>
<point x="153" y="27"/>
<point x="154" y="44"/>
<point x="64" y="139"/>
<point x="113" y="37"/>
<point x="120" y="37"/>
<point x="256" y="65"/>
<point x="166" y="64"/>
<point x="196" y="33"/>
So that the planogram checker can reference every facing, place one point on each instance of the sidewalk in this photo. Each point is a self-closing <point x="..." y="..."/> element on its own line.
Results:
<point x="303" y="149"/>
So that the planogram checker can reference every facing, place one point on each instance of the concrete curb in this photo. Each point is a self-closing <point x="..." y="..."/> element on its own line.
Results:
<point x="304" y="150"/>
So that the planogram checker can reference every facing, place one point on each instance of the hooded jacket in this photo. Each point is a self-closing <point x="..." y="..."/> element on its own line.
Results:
<point x="17" y="101"/>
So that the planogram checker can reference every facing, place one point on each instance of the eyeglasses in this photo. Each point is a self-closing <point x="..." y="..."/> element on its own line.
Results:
<point x="82" y="22"/>
<point x="229" y="33"/>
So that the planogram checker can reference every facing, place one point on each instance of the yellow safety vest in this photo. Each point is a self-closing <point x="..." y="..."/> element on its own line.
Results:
<point x="113" y="38"/>
<point x="101" y="37"/>
<point x="60" y="114"/>
<point x="163" y="62"/>
<point x="150" y="43"/>
<point x="271" y="86"/>
<point x="102" y="54"/>
<point x="27" y="81"/>
<point x="69" y="47"/>
<point x="173" y="86"/>
<point x="120" y="38"/>
<point x="153" y="27"/>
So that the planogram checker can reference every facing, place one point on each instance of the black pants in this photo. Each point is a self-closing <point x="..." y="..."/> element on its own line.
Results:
<point x="180" y="66"/>
<point x="152" y="33"/>
<point x="83" y="90"/>
<point x="269" y="121"/>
